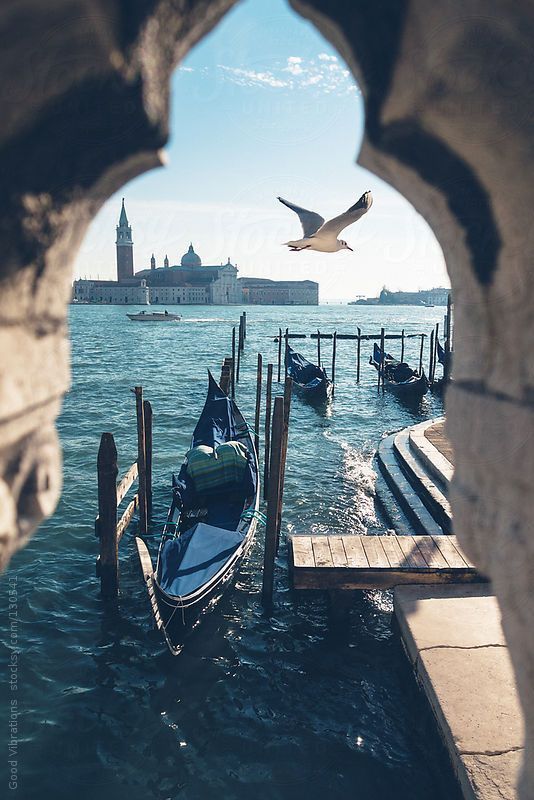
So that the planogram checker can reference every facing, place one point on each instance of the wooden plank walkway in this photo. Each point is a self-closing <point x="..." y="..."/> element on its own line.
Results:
<point x="376" y="562"/>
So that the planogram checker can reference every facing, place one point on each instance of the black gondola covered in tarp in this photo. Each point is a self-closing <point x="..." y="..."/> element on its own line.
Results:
<point x="444" y="358"/>
<point x="211" y="519"/>
<point x="399" y="377"/>
<point x="309" y="380"/>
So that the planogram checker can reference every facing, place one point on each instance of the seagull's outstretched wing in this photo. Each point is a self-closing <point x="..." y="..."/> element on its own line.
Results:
<point x="310" y="221"/>
<point x="334" y="226"/>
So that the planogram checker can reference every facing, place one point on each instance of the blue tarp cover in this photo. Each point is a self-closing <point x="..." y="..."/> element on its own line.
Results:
<point x="397" y="371"/>
<point x="192" y="559"/>
<point x="303" y="371"/>
<point x="217" y="422"/>
<point x="220" y="422"/>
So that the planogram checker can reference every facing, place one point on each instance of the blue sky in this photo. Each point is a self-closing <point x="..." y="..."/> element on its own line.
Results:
<point x="262" y="107"/>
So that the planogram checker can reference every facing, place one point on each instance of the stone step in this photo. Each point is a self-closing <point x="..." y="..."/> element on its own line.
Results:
<point x="438" y="467"/>
<point x="390" y="508"/>
<point x="420" y="519"/>
<point x="425" y="486"/>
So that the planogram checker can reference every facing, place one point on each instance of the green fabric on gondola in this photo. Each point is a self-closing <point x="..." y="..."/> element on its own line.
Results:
<point x="212" y="470"/>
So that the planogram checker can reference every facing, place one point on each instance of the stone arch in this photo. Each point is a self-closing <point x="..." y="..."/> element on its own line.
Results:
<point x="449" y="123"/>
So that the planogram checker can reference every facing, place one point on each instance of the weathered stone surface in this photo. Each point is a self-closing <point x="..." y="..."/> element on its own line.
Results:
<point x="491" y="777"/>
<point x="30" y="482"/>
<point x="449" y="123"/>
<point x="454" y="638"/>
<point x="84" y="108"/>
<point x="473" y="693"/>
<point x="450" y="616"/>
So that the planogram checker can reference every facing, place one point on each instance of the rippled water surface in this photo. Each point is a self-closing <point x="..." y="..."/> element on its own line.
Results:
<point x="275" y="708"/>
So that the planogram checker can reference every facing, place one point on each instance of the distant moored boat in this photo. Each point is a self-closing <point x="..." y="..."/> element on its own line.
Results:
<point x="154" y="316"/>
<point x="309" y="379"/>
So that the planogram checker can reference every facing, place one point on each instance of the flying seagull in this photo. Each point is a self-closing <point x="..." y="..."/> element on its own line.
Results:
<point x="321" y="235"/>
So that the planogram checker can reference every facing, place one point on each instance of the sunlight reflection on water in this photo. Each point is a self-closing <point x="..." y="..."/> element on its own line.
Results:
<point x="286" y="707"/>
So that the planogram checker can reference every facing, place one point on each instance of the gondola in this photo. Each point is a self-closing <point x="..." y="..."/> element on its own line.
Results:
<point x="399" y="377"/>
<point x="211" y="521"/>
<point x="308" y="379"/>
<point x="439" y="384"/>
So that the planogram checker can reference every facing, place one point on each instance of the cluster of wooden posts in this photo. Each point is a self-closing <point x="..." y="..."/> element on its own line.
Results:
<point x="381" y="337"/>
<point x="108" y="528"/>
<point x="276" y="430"/>
<point x="274" y="470"/>
<point x="232" y="364"/>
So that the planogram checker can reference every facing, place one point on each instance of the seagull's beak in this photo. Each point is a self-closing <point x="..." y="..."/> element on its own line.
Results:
<point x="349" y="248"/>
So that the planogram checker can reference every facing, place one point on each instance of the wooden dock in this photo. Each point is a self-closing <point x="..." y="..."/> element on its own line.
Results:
<point x="377" y="562"/>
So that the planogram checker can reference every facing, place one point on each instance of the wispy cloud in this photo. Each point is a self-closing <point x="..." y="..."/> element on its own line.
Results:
<point x="323" y="74"/>
<point x="250" y="77"/>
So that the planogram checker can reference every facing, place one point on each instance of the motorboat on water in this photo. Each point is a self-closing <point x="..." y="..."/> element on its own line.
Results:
<point x="154" y="316"/>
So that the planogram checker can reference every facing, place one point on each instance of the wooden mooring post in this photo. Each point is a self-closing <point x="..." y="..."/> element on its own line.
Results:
<point x="225" y="381"/>
<point x="286" y="345"/>
<point x="238" y="367"/>
<point x="334" y="347"/>
<point x="421" y="353"/>
<point x="106" y="522"/>
<point x="279" y="353"/>
<point x="448" y="337"/>
<point x="141" y="460"/>
<point x="268" y="407"/>
<point x="259" y="376"/>
<point x="431" y="359"/>
<point x="359" y="352"/>
<point x="288" y="386"/>
<point x="244" y="326"/>
<point x="147" y="413"/>
<point x="318" y="347"/>
<point x="273" y="500"/>
<point x="381" y="366"/>
<point x="108" y="530"/>
<point x="232" y="379"/>
<point x="402" y="346"/>
<point x="435" y="355"/>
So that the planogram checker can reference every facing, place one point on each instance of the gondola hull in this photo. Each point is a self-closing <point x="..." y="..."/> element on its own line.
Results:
<point x="178" y="615"/>
<point x="319" y="393"/>
<point x="411" y="389"/>
<point x="309" y="380"/>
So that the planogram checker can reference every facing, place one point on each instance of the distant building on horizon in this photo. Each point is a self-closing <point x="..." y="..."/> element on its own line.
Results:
<point x="189" y="282"/>
<point x="265" y="292"/>
<point x="424" y="297"/>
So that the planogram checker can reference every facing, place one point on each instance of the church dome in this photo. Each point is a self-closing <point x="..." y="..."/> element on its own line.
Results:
<point x="191" y="259"/>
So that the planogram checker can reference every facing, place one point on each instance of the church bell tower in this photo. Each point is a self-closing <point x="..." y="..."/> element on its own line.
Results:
<point x="124" y="247"/>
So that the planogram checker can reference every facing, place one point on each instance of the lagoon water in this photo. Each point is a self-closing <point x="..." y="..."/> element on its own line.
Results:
<point x="275" y="708"/>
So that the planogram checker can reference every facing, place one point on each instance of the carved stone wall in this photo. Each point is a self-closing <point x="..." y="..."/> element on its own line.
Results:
<point x="449" y="100"/>
<point x="84" y="108"/>
<point x="450" y="124"/>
